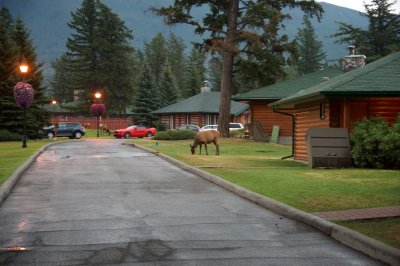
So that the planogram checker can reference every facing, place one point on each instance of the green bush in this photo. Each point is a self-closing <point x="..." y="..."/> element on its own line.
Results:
<point x="6" y="135"/>
<point x="175" y="135"/>
<point x="159" y="126"/>
<point x="375" y="144"/>
<point x="236" y="133"/>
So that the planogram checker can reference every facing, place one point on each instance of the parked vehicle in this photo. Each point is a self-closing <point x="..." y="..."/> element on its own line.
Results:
<point x="232" y="127"/>
<point x="136" y="131"/>
<point x="235" y="126"/>
<point x="65" y="129"/>
<point x="209" y="127"/>
<point x="189" y="127"/>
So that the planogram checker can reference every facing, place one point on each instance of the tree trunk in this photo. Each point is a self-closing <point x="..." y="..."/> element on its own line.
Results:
<point x="227" y="69"/>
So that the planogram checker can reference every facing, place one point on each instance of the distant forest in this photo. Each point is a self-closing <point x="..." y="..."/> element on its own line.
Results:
<point x="48" y="24"/>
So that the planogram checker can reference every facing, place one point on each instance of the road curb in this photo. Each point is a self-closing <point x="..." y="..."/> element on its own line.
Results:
<point x="346" y="236"/>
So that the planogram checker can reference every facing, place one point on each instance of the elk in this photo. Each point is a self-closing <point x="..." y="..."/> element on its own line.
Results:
<point x="205" y="137"/>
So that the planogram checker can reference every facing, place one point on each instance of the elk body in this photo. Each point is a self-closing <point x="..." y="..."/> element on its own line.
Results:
<point x="205" y="137"/>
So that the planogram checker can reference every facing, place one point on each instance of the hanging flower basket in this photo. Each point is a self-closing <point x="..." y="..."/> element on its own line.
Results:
<point x="97" y="109"/>
<point x="23" y="94"/>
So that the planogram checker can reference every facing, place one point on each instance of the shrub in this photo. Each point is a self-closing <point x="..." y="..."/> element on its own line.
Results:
<point x="159" y="126"/>
<point x="6" y="135"/>
<point x="375" y="144"/>
<point x="175" y="135"/>
<point x="236" y="133"/>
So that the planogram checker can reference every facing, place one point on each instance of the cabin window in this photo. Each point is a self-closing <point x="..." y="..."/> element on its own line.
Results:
<point x="321" y="111"/>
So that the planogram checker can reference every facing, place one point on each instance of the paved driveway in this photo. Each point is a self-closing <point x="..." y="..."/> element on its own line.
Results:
<point x="99" y="201"/>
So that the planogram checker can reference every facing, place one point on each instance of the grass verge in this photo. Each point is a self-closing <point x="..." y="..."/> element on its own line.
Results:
<point x="13" y="156"/>
<point x="385" y="230"/>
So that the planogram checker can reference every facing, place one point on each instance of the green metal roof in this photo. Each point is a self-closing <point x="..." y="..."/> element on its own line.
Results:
<point x="379" y="78"/>
<point x="285" y="88"/>
<point x="206" y="102"/>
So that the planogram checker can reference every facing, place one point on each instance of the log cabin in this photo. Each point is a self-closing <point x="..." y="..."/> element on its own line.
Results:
<point x="263" y="118"/>
<point x="200" y="109"/>
<point x="365" y="92"/>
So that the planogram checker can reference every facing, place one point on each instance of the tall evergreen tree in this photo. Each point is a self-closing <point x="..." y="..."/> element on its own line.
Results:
<point x="169" y="93"/>
<point x="251" y="29"/>
<point x="214" y="72"/>
<point x="147" y="99"/>
<point x="194" y="73"/>
<point x="156" y="54"/>
<point x="37" y="116"/>
<point x="100" y="57"/>
<point x="382" y="36"/>
<point x="8" y="76"/>
<point x="115" y="60"/>
<point x="176" y="58"/>
<point x="311" y="54"/>
<point x="62" y="88"/>
<point x="16" y="47"/>
<point x="82" y="51"/>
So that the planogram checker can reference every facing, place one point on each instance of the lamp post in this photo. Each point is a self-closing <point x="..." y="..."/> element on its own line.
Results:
<point x="55" y="122"/>
<point x="97" y="109"/>
<point x="23" y="95"/>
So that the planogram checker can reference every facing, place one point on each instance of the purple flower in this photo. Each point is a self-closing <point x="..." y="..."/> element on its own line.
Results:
<point x="97" y="109"/>
<point x="23" y="94"/>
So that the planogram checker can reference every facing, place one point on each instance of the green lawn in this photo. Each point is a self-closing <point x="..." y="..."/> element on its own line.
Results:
<point x="385" y="230"/>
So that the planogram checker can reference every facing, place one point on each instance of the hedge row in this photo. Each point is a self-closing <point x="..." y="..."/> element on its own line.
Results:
<point x="175" y="135"/>
<point x="6" y="135"/>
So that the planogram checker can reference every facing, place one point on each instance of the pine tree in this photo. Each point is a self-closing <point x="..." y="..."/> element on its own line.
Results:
<point x="169" y="93"/>
<point x="176" y="58"/>
<point x="8" y="74"/>
<point x="115" y="60"/>
<point x="214" y="72"/>
<point x="194" y="73"/>
<point x="16" y="47"/>
<point x="99" y="57"/>
<point x="311" y="54"/>
<point x="37" y="116"/>
<point x="82" y="50"/>
<point x="147" y="99"/>
<point x="251" y="29"/>
<point x="62" y="89"/>
<point x="382" y="36"/>
<point x="156" y="54"/>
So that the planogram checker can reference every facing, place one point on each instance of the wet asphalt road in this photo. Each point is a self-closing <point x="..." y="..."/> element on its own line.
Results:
<point x="101" y="202"/>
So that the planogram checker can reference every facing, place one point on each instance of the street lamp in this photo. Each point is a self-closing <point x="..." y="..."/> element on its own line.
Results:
<point x="23" y="68"/>
<point x="98" y="109"/>
<point x="55" y="122"/>
<point x="23" y="95"/>
<point x="97" y="95"/>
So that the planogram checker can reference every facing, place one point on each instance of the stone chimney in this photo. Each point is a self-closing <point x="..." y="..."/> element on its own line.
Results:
<point x="205" y="88"/>
<point x="352" y="61"/>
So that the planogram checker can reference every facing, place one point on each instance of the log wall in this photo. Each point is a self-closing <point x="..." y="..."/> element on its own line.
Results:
<point x="261" y="112"/>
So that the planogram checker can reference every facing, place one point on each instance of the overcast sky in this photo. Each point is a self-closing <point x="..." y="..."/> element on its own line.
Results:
<point x="357" y="4"/>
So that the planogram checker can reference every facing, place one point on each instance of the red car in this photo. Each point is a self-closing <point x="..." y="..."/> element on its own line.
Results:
<point x="135" y="132"/>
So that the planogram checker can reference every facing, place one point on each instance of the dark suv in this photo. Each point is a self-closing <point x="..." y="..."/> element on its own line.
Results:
<point x="65" y="129"/>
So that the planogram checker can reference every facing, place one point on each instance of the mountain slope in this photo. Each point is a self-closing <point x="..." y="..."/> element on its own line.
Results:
<point x="48" y="19"/>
